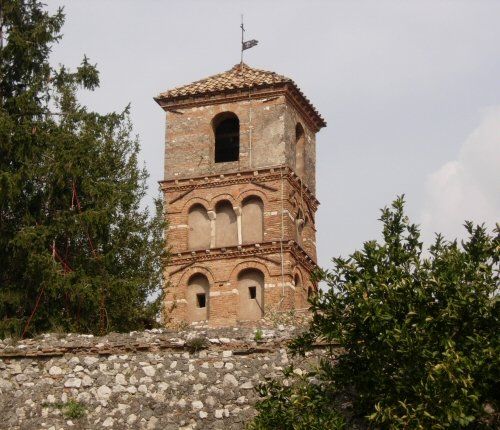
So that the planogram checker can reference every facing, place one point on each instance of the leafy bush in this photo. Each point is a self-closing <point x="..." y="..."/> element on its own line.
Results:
<point x="419" y="333"/>
<point x="296" y="404"/>
<point x="258" y="335"/>
<point x="197" y="344"/>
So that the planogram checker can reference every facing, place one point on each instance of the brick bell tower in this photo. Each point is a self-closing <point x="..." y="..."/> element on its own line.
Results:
<point x="239" y="190"/>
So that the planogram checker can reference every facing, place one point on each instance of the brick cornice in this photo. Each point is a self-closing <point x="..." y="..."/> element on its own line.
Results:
<point x="259" y="176"/>
<point x="264" y="249"/>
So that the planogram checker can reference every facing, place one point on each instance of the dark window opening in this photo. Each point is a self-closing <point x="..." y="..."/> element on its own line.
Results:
<point x="310" y="292"/>
<point x="227" y="138"/>
<point x="201" y="300"/>
<point x="253" y="292"/>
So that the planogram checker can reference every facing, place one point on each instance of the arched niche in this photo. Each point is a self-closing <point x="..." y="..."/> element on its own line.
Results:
<point x="311" y="293"/>
<point x="299" y="226"/>
<point x="250" y="295"/>
<point x="300" y="293"/>
<point x="226" y="126"/>
<point x="252" y="220"/>
<point x="226" y="226"/>
<point x="198" y="298"/>
<point x="297" y="281"/>
<point x="300" y="147"/>
<point x="199" y="228"/>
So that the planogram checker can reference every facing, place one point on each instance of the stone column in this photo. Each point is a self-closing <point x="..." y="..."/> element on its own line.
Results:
<point x="237" y="211"/>
<point x="211" y="216"/>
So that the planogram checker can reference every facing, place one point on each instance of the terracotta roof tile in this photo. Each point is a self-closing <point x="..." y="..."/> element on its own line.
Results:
<point x="239" y="77"/>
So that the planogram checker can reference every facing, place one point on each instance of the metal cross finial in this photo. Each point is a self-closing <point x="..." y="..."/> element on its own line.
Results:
<point x="242" y="26"/>
<point x="248" y="44"/>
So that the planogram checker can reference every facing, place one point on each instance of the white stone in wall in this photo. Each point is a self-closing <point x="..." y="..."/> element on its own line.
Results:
<point x="73" y="383"/>
<point x="197" y="404"/>
<point x="55" y="371"/>
<point x="229" y="379"/>
<point x="103" y="392"/>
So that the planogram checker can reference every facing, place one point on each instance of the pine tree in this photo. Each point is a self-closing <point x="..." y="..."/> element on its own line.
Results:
<point x="77" y="252"/>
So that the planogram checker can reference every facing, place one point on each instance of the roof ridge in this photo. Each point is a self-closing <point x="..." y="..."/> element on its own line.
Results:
<point x="242" y="72"/>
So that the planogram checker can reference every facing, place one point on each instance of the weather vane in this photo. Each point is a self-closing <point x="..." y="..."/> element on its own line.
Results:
<point x="249" y="43"/>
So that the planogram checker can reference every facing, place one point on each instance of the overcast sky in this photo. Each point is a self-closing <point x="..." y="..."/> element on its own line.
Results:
<point x="410" y="91"/>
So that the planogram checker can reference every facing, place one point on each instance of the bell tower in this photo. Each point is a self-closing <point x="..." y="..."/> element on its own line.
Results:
<point x="239" y="190"/>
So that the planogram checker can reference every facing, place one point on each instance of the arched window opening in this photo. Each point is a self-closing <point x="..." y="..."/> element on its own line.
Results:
<point x="252" y="220"/>
<point x="201" y="300"/>
<point x="199" y="228"/>
<point x="300" y="146"/>
<point x="227" y="137"/>
<point x="197" y="297"/>
<point x="297" y="281"/>
<point x="250" y="295"/>
<point x="226" y="227"/>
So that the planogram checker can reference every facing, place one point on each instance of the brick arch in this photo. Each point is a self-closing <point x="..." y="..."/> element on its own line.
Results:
<point x="250" y="264"/>
<point x="194" y="201"/>
<point x="188" y="273"/>
<point x="220" y="197"/>
<point x="252" y="192"/>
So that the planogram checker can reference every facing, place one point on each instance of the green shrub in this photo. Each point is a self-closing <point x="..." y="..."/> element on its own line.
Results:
<point x="419" y="332"/>
<point x="73" y="410"/>
<point x="258" y="335"/>
<point x="296" y="404"/>
<point x="196" y="344"/>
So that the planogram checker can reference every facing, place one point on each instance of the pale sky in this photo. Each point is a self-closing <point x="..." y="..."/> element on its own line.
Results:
<point x="410" y="91"/>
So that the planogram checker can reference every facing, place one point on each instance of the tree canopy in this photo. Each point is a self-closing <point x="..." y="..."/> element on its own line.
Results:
<point x="413" y="337"/>
<point x="77" y="251"/>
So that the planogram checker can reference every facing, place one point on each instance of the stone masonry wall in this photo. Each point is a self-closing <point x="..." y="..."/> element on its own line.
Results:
<point x="141" y="380"/>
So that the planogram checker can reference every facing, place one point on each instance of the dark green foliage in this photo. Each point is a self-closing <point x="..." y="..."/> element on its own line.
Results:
<point x="76" y="249"/>
<point x="296" y="404"/>
<point x="418" y="333"/>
